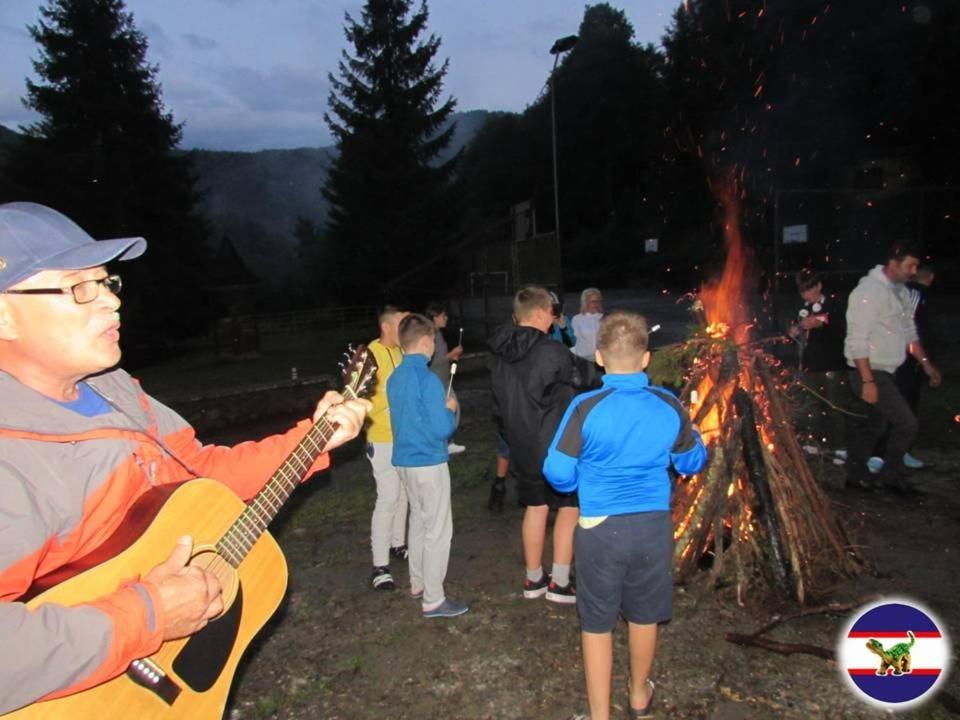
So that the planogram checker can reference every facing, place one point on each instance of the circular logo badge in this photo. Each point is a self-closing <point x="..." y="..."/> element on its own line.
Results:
<point x="894" y="653"/>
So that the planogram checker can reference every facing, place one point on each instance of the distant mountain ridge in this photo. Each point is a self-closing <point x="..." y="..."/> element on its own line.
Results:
<point x="255" y="198"/>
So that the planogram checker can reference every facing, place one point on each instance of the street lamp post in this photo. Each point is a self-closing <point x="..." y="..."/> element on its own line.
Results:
<point x="562" y="45"/>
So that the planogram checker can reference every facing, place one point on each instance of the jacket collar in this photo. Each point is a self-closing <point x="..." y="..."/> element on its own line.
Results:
<point x="24" y="409"/>
<point x="626" y="380"/>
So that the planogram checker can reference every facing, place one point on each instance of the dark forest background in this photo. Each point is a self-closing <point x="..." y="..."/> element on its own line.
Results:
<point x="838" y="116"/>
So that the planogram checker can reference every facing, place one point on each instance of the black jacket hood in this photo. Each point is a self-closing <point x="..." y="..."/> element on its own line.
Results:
<point x="514" y="342"/>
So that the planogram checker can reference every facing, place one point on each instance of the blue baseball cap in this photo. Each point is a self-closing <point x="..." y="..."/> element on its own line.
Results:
<point x="34" y="238"/>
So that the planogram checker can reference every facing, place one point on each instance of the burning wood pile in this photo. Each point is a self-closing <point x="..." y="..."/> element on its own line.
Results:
<point x="755" y="515"/>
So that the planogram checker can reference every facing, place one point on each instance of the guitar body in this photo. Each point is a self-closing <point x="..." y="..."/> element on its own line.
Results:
<point x="198" y="669"/>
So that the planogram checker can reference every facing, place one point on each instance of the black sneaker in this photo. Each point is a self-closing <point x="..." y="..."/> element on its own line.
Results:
<point x="564" y="594"/>
<point x="381" y="579"/>
<point x="532" y="589"/>
<point x="400" y="552"/>
<point x="498" y="492"/>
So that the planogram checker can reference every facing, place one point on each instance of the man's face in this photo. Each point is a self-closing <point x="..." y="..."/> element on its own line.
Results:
<point x="441" y="320"/>
<point x="812" y="295"/>
<point x="57" y="337"/>
<point x="901" y="271"/>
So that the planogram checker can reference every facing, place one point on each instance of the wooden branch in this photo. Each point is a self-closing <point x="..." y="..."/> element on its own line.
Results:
<point x="766" y="507"/>
<point x="831" y="608"/>
<point x="834" y="531"/>
<point x="755" y="638"/>
<point x="779" y="647"/>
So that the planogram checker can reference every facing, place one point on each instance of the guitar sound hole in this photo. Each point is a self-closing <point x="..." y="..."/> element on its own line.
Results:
<point x="202" y="659"/>
<point x="209" y="559"/>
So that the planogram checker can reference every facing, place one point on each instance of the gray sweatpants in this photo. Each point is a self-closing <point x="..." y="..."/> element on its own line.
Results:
<point x="431" y="528"/>
<point x="389" y="521"/>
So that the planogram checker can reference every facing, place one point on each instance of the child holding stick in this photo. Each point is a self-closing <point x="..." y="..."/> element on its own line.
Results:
<point x="423" y="421"/>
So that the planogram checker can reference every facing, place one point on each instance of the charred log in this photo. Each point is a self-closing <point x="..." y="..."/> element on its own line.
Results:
<point x="766" y="508"/>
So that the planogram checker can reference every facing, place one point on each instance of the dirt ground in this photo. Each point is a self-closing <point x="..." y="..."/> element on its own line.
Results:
<point x="338" y="650"/>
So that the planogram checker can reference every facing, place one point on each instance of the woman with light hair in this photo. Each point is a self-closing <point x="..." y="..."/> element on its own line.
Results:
<point x="587" y="322"/>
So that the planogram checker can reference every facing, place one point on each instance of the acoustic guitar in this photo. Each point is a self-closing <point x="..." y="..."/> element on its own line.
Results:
<point x="191" y="677"/>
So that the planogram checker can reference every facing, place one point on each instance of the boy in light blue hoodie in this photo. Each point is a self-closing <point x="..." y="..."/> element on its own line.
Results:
<point x="423" y="419"/>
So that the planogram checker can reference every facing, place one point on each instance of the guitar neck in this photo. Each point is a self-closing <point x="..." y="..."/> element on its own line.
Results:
<point x="260" y="512"/>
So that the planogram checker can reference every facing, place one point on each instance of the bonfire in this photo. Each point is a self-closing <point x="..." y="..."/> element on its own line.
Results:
<point x="755" y="516"/>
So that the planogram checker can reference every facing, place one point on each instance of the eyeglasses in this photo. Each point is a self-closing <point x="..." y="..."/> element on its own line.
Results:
<point x="83" y="292"/>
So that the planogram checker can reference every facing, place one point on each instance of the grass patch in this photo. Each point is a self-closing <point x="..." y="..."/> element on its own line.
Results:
<point x="347" y="500"/>
<point x="266" y="707"/>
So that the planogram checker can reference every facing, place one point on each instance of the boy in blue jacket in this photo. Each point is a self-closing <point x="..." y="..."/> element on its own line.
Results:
<point x="423" y="420"/>
<point x="615" y="447"/>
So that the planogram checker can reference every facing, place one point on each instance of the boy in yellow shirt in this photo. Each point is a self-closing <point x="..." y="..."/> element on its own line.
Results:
<point x="388" y="525"/>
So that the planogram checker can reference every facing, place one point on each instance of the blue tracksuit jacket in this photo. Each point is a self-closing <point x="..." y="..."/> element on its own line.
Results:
<point x="615" y="445"/>
<point x="421" y="422"/>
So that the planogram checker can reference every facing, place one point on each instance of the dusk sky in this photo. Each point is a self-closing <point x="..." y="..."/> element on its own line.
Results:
<point x="252" y="74"/>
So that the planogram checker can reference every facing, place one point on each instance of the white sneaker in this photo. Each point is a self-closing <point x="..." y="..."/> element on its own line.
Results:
<point x="453" y="448"/>
<point x="842" y="454"/>
<point x="875" y="464"/>
<point x="913" y="463"/>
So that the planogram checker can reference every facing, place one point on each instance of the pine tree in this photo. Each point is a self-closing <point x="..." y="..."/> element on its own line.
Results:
<point x="104" y="151"/>
<point x="389" y="196"/>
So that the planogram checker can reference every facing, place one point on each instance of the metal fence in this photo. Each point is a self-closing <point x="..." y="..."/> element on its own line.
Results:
<point x="845" y="231"/>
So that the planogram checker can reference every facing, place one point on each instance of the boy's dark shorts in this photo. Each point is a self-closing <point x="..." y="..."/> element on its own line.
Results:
<point x="625" y="564"/>
<point x="535" y="491"/>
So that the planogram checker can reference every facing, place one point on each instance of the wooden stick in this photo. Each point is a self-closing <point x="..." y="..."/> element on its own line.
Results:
<point x="755" y="638"/>
<point x="779" y="647"/>
<point x="766" y="504"/>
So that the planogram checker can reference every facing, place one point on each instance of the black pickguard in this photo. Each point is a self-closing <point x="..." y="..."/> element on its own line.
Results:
<point x="202" y="659"/>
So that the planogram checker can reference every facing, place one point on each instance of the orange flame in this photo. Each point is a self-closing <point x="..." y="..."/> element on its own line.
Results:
<point x="724" y="300"/>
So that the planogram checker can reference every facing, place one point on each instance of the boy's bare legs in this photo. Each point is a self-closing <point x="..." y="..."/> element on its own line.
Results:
<point x="503" y="465"/>
<point x="563" y="528"/>
<point x="643" y="644"/>
<point x="598" y="669"/>
<point x="534" y="534"/>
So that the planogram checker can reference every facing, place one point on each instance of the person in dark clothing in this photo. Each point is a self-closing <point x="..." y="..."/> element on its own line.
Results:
<point x="533" y="380"/>
<point x="561" y="331"/>
<point x="819" y="331"/>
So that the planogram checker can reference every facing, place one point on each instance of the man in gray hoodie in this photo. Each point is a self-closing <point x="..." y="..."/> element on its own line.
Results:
<point x="880" y="333"/>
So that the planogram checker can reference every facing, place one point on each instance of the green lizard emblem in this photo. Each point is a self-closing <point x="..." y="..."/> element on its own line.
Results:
<point x="897" y="657"/>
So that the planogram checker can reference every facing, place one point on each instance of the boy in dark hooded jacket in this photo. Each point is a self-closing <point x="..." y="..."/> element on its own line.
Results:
<point x="534" y="378"/>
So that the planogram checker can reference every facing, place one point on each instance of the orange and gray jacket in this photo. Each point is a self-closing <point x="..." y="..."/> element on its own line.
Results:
<point x="66" y="482"/>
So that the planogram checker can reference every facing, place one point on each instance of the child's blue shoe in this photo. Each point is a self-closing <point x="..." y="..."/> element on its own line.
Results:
<point x="448" y="608"/>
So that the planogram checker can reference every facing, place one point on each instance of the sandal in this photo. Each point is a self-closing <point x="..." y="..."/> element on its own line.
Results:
<point x="645" y="712"/>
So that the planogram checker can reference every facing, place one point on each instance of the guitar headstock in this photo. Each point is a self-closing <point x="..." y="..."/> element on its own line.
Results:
<point x="359" y="369"/>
